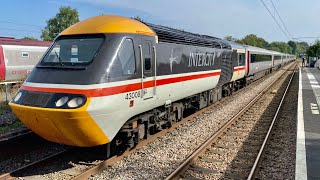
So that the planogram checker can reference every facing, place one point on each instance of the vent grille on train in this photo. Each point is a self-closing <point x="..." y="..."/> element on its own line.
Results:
<point x="170" y="35"/>
<point x="226" y="69"/>
<point x="36" y="99"/>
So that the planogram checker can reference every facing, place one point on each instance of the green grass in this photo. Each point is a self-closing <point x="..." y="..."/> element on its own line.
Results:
<point x="4" y="107"/>
<point x="10" y="127"/>
<point x="5" y="111"/>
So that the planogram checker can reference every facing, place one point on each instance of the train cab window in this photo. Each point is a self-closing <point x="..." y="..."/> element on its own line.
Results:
<point x="73" y="51"/>
<point x="242" y="59"/>
<point x="124" y="63"/>
<point x="126" y="57"/>
<point x="147" y="56"/>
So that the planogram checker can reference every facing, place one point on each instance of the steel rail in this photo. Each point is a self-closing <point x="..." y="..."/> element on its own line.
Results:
<point x="257" y="161"/>
<point x="185" y="165"/>
<point x="10" y="175"/>
<point x="15" y="134"/>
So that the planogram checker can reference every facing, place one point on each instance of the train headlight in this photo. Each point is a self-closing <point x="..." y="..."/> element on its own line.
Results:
<point x="62" y="101"/>
<point x="75" y="102"/>
<point x="18" y="96"/>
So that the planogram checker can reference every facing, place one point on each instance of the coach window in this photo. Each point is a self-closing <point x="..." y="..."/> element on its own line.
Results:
<point x="147" y="56"/>
<point x="25" y="54"/>
<point x="253" y="58"/>
<point x="241" y="59"/>
<point x="260" y="58"/>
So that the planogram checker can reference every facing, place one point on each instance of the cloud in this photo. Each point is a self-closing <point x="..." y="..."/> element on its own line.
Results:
<point x="221" y="18"/>
<point x="58" y="3"/>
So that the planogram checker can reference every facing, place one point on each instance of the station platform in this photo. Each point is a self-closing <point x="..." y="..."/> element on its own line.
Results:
<point x="308" y="125"/>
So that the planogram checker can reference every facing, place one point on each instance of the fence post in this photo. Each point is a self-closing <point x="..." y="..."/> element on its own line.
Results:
<point x="6" y="85"/>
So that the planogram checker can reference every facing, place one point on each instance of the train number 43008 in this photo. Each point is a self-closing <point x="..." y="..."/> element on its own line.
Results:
<point x="133" y="95"/>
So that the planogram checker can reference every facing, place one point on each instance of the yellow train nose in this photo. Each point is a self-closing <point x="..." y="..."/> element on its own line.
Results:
<point x="66" y="126"/>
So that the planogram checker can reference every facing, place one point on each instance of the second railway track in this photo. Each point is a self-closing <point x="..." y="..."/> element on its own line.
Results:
<point x="234" y="151"/>
<point x="89" y="167"/>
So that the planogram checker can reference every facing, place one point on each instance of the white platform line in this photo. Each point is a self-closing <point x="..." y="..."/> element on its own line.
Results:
<point x="301" y="162"/>
<point x="315" y="87"/>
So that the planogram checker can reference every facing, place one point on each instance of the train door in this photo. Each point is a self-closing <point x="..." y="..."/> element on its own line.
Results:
<point x="247" y="62"/>
<point x="242" y="63"/>
<point x="235" y="62"/>
<point x="148" y="69"/>
<point x="273" y="59"/>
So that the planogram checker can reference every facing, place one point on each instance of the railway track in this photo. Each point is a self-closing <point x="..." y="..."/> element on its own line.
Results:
<point x="28" y="168"/>
<point x="96" y="164"/>
<point x="14" y="135"/>
<point x="68" y="155"/>
<point x="20" y="143"/>
<point x="22" y="149"/>
<point x="111" y="161"/>
<point x="242" y="139"/>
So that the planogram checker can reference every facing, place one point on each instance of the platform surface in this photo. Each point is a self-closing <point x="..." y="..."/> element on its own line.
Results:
<point x="308" y="125"/>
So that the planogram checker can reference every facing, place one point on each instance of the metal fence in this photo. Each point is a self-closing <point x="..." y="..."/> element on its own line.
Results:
<point x="8" y="90"/>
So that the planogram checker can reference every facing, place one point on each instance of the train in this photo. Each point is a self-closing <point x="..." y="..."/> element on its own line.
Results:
<point x="18" y="57"/>
<point x="114" y="81"/>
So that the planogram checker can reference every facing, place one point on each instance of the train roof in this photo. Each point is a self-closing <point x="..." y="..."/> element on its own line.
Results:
<point x="236" y="46"/>
<point x="257" y="49"/>
<point x="171" y="35"/>
<point x="108" y="24"/>
<point x="118" y="24"/>
<point x="277" y="53"/>
<point x="241" y="48"/>
<point x="23" y="42"/>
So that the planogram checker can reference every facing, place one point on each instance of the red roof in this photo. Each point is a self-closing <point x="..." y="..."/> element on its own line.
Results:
<point x="23" y="42"/>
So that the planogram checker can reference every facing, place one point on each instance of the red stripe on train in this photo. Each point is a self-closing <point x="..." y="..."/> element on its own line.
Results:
<point x="120" y="89"/>
<point x="239" y="69"/>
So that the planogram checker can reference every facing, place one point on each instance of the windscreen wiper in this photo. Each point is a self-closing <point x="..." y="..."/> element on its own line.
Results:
<point x="60" y="61"/>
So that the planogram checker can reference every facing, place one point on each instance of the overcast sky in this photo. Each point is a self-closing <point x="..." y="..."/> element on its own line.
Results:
<point x="218" y="18"/>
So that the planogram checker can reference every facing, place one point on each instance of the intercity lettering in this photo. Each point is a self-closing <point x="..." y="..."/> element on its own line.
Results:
<point x="201" y="59"/>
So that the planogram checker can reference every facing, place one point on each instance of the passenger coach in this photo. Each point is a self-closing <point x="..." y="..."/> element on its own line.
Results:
<point x="18" y="57"/>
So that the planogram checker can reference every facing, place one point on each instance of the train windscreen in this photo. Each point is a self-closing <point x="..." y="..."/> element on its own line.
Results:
<point x="73" y="51"/>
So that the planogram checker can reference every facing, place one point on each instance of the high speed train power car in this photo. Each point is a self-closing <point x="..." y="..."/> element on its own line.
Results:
<point x="114" y="80"/>
<point x="18" y="57"/>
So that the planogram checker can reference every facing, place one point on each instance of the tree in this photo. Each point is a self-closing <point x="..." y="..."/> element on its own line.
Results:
<point x="281" y="47"/>
<point x="293" y="45"/>
<point x="230" y="38"/>
<point x="254" y="40"/>
<point x="302" y="48"/>
<point x="314" y="50"/>
<point x="63" y="19"/>
<point x="30" y="38"/>
<point x="274" y="48"/>
<point x="137" y="18"/>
